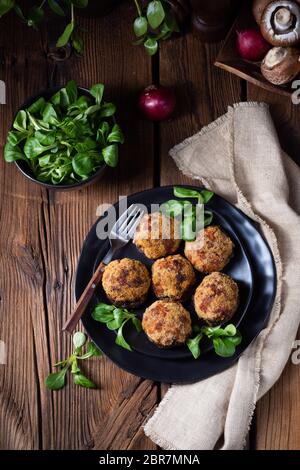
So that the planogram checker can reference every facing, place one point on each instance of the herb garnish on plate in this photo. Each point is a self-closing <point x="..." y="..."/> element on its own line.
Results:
<point x="67" y="139"/>
<point x="191" y="223"/>
<point x="115" y="318"/>
<point x="224" y="340"/>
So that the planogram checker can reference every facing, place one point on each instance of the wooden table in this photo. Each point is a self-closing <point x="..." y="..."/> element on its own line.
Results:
<point x="42" y="233"/>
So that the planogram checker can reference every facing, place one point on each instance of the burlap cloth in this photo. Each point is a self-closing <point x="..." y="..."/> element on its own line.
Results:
<point x="239" y="157"/>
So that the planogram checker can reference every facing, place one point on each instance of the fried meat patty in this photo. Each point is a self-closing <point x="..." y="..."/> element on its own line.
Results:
<point x="216" y="298"/>
<point x="213" y="254"/>
<point x="126" y="282"/>
<point x="157" y="235"/>
<point x="167" y="323"/>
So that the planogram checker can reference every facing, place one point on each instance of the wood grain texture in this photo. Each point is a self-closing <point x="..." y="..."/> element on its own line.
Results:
<point x="85" y="299"/>
<point x="204" y="94"/>
<point x="41" y="236"/>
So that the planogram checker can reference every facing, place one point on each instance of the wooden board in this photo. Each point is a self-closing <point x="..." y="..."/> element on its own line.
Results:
<point x="228" y="58"/>
<point x="41" y="233"/>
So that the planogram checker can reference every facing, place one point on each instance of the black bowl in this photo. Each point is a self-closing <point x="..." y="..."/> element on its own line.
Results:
<point x="24" y="168"/>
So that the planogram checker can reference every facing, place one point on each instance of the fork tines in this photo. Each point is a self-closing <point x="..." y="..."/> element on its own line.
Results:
<point x="127" y="223"/>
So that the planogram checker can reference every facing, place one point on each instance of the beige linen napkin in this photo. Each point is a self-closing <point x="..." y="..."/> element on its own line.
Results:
<point x="239" y="157"/>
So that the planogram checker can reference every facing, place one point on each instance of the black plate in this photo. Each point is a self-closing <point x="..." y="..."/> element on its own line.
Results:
<point x="252" y="267"/>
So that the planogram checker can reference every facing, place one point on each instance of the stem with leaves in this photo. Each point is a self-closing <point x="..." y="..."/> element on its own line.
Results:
<point x="57" y="380"/>
<point x="189" y="215"/>
<point x="115" y="319"/>
<point x="224" y="340"/>
<point x="155" y="23"/>
<point x="34" y="16"/>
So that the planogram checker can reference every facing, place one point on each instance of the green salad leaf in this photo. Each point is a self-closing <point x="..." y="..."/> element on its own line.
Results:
<point x="68" y="138"/>
<point x="224" y="340"/>
<point x="6" y="6"/>
<point x="190" y="222"/>
<point x="66" y="35"/>
<point x="80" y="379"/>
<point x="56" y="8"/>
<point x="203" y="196"/>
<point x="140" y="26"/>
<point x="115" y="319"/>
<point x="194" y="345"/>
<point x="56" y="380"/>
<point x="155" y="13"/>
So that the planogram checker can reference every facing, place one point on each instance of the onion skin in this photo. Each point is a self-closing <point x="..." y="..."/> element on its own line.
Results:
<point x="157" y="103"/>
<point x="251" y="45"/>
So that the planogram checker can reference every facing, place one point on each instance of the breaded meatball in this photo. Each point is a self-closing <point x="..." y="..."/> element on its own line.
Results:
<point x="126" y="282"/>
<point x="157" y="235"/>
<point x="167" y="323"/>
<point x="172" y="277"/>
<point x="211" y="250"/>
<point x="216" y="299"/>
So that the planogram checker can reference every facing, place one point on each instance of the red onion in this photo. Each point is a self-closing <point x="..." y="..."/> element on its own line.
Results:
<point x="251" y="45"/>
<point x="157" y="103"/>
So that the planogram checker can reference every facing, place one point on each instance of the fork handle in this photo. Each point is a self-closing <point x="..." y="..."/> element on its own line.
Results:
<point x="84" y="300"/>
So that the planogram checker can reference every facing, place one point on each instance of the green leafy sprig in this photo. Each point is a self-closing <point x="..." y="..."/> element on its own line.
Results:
<point x="224" y="340"/>
<point x="115" y="319"/>
<point x="36" y="14"/>
<point x="68" y="138"/>
<point x="155" y="23"/>
<point x="57" y="380"/>
<point x="191" y="222"/>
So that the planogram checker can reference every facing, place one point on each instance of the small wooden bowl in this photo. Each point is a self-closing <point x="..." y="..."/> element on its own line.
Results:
<point x="229" y="59"/>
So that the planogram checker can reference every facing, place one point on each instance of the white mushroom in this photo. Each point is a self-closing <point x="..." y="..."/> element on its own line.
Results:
<point x="258" y="7"/>
<point x="281" y="65"/>
<point x="280" y="23"/>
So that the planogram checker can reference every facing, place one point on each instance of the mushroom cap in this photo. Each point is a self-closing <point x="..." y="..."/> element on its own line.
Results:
<point x="281" y="65"/>
<point x="258" y="8"/>
<point x="280" y="23"/>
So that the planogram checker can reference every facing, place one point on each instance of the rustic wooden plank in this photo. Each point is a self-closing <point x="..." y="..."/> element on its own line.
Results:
<point x="22" y="275"/>
<point x="278" y="412"/>
<point x="42" y="233"/>
<point x="203" y="91"/>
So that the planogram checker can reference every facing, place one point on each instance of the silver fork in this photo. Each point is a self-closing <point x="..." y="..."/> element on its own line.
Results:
<point x="121" y="233"/>
<point x="123" y="230"/>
